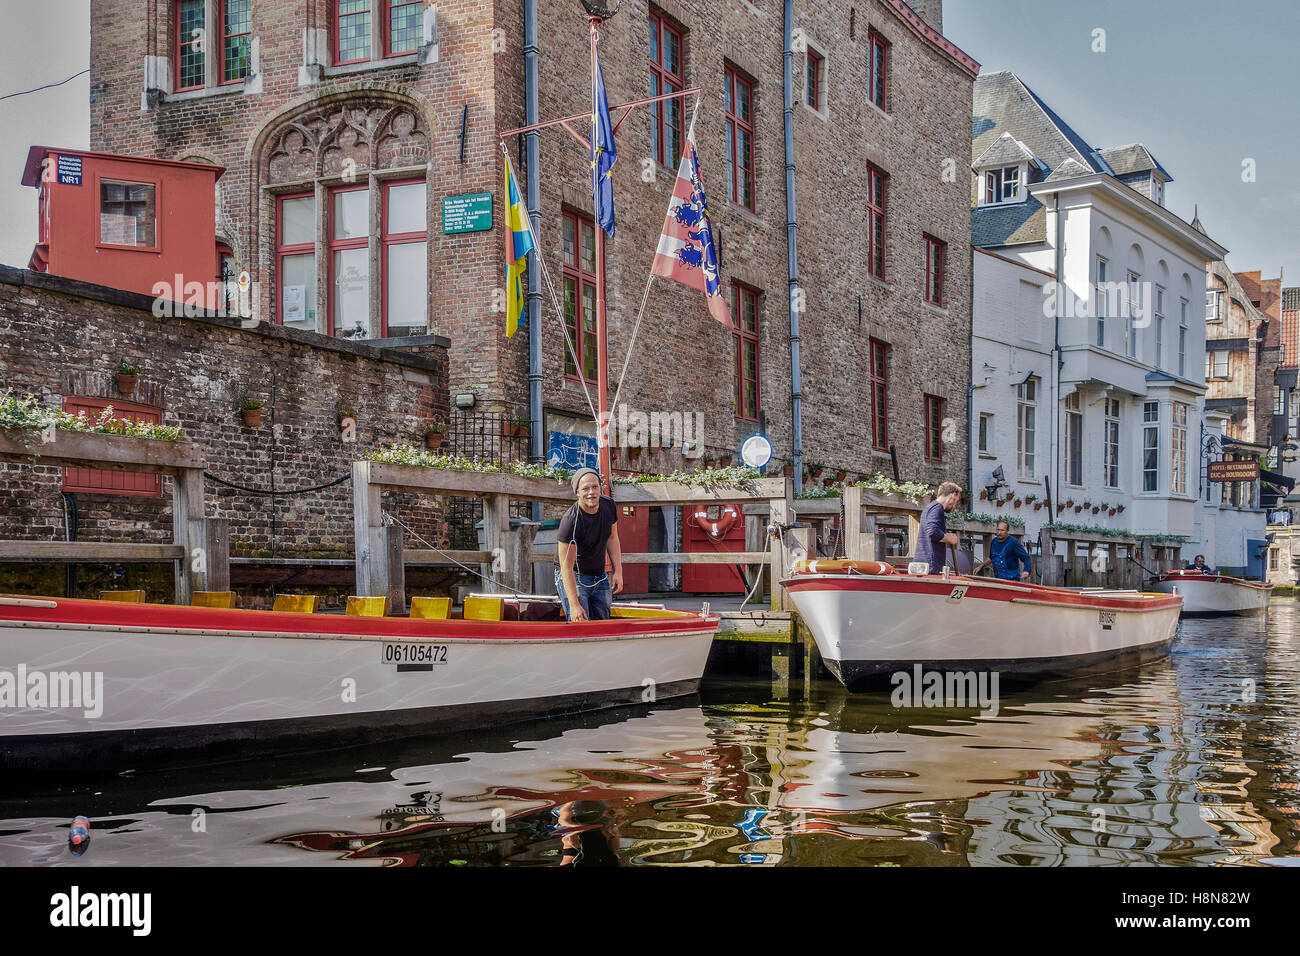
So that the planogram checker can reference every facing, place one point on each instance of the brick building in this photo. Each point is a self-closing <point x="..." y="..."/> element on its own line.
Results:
<point x="343" y="126"/>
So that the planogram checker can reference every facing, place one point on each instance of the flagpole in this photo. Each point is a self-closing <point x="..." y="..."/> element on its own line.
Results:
<point x="602" y="352"/>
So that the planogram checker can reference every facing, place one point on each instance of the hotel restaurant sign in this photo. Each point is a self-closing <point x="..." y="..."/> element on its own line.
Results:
<point x="1233" y="471"/>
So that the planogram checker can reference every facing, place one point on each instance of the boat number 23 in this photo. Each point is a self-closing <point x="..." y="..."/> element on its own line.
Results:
<point x="957" y="593"/>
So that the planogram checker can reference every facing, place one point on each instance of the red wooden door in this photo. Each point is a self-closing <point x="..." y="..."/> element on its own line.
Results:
<point x="634" y="536"/>
<point x="715" y="528"/>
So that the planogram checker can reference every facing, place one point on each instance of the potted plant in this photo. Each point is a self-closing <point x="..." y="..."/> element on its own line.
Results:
<point x="1016" y="503"/>
<point x="1095" y="509"/>
<point x="827" y="481"/>
<point x="252" y="410"/>
<point x="814" y="470"/>
<point x="633" y="452"/>
<point x="1029" y="498"/>
<point x="983" y="495"/>
<point x="126" y="378"/>
<point x="1069" y="502"/>
<point x="1119" y="509"/>
<point x="434" y="435"/>
<point x="513" y="426"/>
<point x="1060" y="508"/>
<point x="709" y="461"/>
<point x="1078" y="508"/>
<point x="1111" y="512"/>
<point x="840" y="474"/>
<point x="1038" y="505"/>
<point x="724" y="461"/>
<point x="787" y="469"/>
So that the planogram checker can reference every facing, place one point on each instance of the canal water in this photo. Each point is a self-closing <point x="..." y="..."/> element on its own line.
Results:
<point x="1194" y="760"/>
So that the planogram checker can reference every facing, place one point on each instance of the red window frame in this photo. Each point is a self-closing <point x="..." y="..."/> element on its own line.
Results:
<point x="933" y="428"/>
<point x="877" y="69"/>
<point x="221" y="20"/>
<point x="103" y="481"/>
<point x="181" y="43"/>
<point x="337" y="23"/>
<point x="877" y="187"/>
<point x="582" y="280"/>
<point x="333" y="245"/>
<point x="813" y="79"/>
<point x="735" y="124"/>
<point x="388" y="6"/>
<point x="292" y="249"/>
<point x="935" y="256"/>
<point x="664" y="80"/>
<point x="388" y="240"/>
<point x="878" y="375"/>
<point x="742" y="296"/>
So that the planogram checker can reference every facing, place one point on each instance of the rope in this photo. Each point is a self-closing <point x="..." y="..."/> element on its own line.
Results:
<point x="276" y="494"/>
<point x="390" y="518"/>
<point x="645" y="297"/>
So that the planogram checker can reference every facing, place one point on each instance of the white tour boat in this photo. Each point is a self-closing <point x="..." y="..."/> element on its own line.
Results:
<point x="1214" y="593"/>
<point x="105" y="683"/>
<point x="870" y="622"/>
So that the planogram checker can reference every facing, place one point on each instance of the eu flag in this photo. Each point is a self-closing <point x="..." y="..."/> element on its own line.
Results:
<point x="603" y="155"/>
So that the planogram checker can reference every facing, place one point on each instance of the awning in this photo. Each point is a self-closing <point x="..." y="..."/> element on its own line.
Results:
<point x="1281" y="482"/>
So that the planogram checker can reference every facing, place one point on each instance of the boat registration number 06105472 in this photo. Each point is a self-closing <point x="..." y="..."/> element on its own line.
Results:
<point x="413" y="653"/>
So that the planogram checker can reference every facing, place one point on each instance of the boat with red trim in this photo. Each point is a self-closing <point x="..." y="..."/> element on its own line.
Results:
<point x="104" y="683"/>
<point x="870" y="622"/>
<point x="1207" y="594"/>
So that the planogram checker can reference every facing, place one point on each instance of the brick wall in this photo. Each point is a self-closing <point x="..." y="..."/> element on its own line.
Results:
<point x="60" y="339"/>
<point x="683" y="359"/>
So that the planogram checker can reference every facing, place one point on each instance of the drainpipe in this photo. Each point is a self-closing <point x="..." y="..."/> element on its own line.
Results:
<point x="532" y="180"/>
<point x="791" y="249"/>
<point x="1056" y="346"/>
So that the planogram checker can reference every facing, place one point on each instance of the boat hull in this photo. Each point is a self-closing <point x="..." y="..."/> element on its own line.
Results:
<point x="868" y="628"/>
<point x="1214" y="594"/>
<point x="236" y="682"/>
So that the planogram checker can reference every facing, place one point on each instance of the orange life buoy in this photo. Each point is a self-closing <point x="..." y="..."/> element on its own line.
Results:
<point x="717" y="529"/>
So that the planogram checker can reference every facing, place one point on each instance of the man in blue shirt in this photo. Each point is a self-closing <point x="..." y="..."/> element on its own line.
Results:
<point x="931" y="545"/>
<point x="1010" y="559"/>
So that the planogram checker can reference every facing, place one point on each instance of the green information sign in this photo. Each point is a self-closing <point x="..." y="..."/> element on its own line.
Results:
<point x="472" y="213"/>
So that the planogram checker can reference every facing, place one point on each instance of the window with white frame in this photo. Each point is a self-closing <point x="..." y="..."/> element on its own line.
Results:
<point x="1134" y="314"/>
<point x="1099" y="301"/>
<point x="1150" y="446"/>
<point x="1026" y="415"/>
<point x="1110" y="450"/>
<point x="1213" y="298"/>
<point x="1002" y="185"/>
<point x="1073" y="440"/>
<point x="1216" y="363"/>
<point x="1182" y="337"/>
<point x="1160" y="325"/>
<point x="1178" y="450"/>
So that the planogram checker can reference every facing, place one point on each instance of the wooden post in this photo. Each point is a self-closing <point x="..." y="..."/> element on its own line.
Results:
<point x="781" y="511"/>
<point x="218" y="553"/>
<point x="394" y="548"/>
<point x="368" y="531"/>
<point x="1046" y="551"/>
<point x="913" y="535"/>
<point x="520" y="548"/>
<point x="189" y="532"/>
<point x="852" y="529"/>
<point x="496" y="510"/>
<point x="755" y="540"/>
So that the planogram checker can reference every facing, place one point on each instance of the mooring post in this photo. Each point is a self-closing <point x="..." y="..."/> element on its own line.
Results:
<point x="394" y="557"/>
<point x="519" y="548"/>
<point x="368" y="533"/>
<point x="190" y="533"/>
<point x="496" y="510"/>
<point x="218" y="554"/>
<point x="852" y="530"/>
<point x="781" y="512"/>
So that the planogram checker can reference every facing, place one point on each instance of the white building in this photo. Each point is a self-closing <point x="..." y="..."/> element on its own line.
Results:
<point x="1095" y="382"/>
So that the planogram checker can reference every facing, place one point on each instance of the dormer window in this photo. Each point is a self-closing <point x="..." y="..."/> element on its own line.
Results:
<point x="1003" y="185"/>
<point x="1158" y="190"/>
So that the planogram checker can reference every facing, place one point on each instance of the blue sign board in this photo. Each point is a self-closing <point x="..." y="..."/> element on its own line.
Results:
<point x="70" y="170"/>
<point x="571" y="452"/>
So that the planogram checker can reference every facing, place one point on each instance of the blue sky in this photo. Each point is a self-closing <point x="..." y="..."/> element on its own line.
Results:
<point x="1205" y="85"/>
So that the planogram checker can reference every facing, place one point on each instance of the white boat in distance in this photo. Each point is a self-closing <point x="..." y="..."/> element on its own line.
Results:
<point x="1206" y="594"/>
<point x="871" y="622"/>
<point x="113" y="685"/>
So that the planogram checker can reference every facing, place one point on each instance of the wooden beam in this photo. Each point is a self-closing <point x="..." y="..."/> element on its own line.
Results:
<point x="852" y="530"/>
<point x="96" y="450"/>
<point x="664" y="493"/>
<point x="367" y="530"/>
<point x="471" y="484"/>
<point x="396" y="570"/>
<point x="218" y="554"/>
<point x="88" y="552"/>
<point x="496" y="518"/>
<point x="417" y="556"/>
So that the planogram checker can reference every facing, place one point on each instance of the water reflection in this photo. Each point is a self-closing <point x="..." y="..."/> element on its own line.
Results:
<point x="1192" y="760"/>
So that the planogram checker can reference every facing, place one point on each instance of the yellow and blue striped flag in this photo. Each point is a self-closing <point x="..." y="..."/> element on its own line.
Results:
<point x="519" y="242"/>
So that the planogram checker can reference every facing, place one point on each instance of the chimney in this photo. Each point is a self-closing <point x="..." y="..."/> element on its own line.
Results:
<point x="931" y="11"/>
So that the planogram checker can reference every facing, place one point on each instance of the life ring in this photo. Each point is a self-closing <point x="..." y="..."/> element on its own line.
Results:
<point x="841" y="566"/>
<point x="717" y="530"/>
